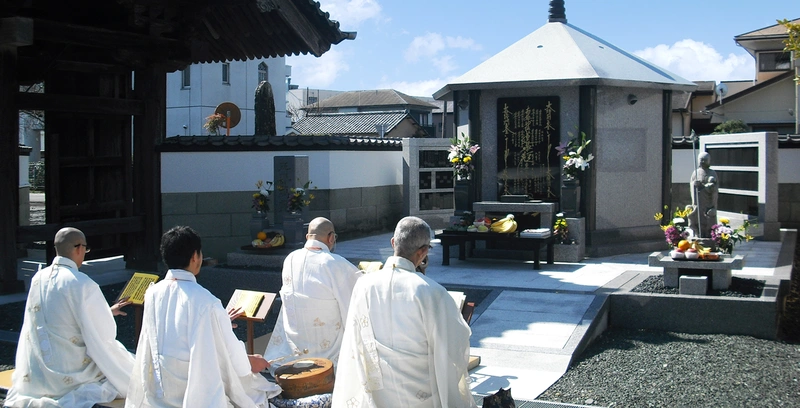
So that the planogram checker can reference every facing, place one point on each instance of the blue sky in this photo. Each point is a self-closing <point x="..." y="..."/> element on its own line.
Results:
<point x="416" y="46"/>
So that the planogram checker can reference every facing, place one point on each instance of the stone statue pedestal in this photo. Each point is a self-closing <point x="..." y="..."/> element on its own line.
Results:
<point x="294" y="230"/>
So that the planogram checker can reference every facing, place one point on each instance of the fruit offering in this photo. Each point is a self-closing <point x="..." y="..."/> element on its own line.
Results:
<point x="271" y="240"/>
<point x="504" y="225"/>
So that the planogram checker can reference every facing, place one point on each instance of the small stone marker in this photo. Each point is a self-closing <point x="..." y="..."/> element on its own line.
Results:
<point x="693" y="285"/>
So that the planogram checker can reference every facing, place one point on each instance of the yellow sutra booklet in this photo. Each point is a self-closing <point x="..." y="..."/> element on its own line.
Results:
<point x="248" y="300"/>
<point x="136" y="287"/>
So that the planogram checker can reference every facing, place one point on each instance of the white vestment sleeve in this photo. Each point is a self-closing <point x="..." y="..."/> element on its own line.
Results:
<point x="100" y="336"/>
<point x="345" y="277"/>
<point x="448" y="344"/>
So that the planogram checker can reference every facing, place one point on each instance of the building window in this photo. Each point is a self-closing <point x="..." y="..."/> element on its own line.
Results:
<point x="312" y="99"/>
<point x="263" y="72"/>
<point x="774" y="61"/>
<point x="226" y="73"/>
<point x="186" y="77"/>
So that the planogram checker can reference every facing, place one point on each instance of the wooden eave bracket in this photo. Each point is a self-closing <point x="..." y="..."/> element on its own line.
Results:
<point x="304" y="29"/>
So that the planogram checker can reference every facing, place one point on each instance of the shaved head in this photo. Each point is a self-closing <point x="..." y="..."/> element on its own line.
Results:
<point x="320" y="227"/>
<point x="66" y="239"/>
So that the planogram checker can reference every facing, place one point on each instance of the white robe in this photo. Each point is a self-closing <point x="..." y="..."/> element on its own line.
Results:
<point x="188" y="355"/>
<point x="68" y="354"/>
<point x="316" y="290"/>
<point x="405" y="343"/>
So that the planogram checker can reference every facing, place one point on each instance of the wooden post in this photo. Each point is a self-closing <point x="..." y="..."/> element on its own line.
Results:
<point x="149" y="129"/>
<point x="9" y="169"/>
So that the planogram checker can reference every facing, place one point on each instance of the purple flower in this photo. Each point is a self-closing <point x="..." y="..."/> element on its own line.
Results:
<point x="562" y="148"/>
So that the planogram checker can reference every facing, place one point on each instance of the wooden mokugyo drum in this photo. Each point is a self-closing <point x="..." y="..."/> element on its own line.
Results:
<point x="305" y="377"/>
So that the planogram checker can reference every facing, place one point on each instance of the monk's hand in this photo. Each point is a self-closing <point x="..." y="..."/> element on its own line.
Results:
<point x="257" y="363"/>
<point x="116" y="308"/>
<point x="234" y="314"/>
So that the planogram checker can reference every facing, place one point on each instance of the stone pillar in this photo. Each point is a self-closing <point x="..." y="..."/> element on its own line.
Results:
<point x="290" y="172"/>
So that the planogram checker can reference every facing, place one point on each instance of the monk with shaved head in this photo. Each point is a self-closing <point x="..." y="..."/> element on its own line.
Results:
<point x="68" y="355"/>
<point x="316" y="295"/>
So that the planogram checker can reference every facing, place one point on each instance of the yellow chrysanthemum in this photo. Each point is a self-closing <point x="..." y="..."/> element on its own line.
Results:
<point x="658" y="216"/>
<point x="467" y="159"/>
<point x="455" y="160"/>
<point x="724" y="221"/>
<point x="664" y="227"/>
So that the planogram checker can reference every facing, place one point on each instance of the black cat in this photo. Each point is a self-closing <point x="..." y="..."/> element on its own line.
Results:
<point x="500" y="399"/>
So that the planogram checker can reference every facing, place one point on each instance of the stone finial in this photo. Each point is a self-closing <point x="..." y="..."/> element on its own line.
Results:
<point x="265" y="110"/>
<point x="558" y="13"/>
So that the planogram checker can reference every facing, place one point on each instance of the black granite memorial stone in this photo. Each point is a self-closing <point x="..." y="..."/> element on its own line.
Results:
<point x="527" y="133"/>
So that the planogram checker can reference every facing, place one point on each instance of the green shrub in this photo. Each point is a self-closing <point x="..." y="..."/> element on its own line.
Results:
<point x="36" y="175"/>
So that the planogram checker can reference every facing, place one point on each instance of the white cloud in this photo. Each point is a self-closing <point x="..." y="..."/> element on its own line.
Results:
<point x="430" y="44"/>
<point x="461" y="42"/>
<point x="444" y="63"/>
<point x="417" y="88"/>
<point x="350" y="13"/>
<point x="697" y="61"/>
<point x="426" y="45"/>
<point x="316" y="72"/>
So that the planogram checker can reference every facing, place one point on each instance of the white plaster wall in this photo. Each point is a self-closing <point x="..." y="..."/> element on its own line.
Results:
<point x="628" y="158"/>
<point x="191" y="106"/>
<point x="239" y="171"/>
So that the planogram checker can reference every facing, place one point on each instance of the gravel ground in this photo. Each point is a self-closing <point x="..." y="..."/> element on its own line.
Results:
<point x="641" y="368"/>
<point x="740" y="287"/>
<point x="646" y="368"/>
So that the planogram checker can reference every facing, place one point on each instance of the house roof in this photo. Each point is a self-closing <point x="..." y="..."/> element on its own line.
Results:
<point x="350" y="123"/>
<point x="764" y="39"/>
<point x="439" y="104"/>
<point x="776" y="30"/>
<point x="705" y="86"/>
<point x="370" y="98"/>
<point x="680" y="100"/>
<point x="754" y="88"/>
<point x="561" y="54"/>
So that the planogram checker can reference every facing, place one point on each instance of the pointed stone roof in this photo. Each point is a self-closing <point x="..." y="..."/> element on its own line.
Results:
<point x="561" y="54"/>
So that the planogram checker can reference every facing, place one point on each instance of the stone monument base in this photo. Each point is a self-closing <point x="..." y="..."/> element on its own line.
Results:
<point x="265" y="258"/>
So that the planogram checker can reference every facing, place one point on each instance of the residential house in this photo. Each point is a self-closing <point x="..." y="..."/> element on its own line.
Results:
<point x="770" y="104"/>
<point x="297" y="98"/>
<point x="388" y="124"/>
<point x="377" y="100"/>
<point x="442" y="122"/>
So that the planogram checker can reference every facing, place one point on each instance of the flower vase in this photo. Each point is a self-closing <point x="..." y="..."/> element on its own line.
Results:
<point x="258" y="223"/>
<point x="293" y="229"/>
<point x="571" y="197"/>
<point x="463" y="196"/>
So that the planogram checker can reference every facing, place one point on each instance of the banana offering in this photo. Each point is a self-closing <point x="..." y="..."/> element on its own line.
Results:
<point x="504" y="225"/>
<point x="276" y="241"/>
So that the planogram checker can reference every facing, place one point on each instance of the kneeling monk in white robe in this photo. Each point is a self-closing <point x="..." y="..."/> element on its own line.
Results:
<point x="68" y="355"/>
<point x="316" y="290"/>
<point x="188" y="355"/>
<point x="405" y="342"/>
